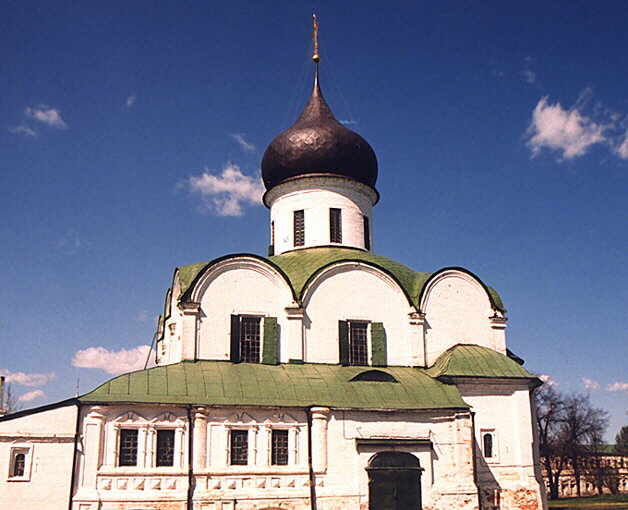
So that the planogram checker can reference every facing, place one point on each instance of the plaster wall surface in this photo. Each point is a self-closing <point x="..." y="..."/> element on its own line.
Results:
<point x="315" y="196"/>
<point x="48" y="439"/>
<point x="457" y="311"/>
<point x="239" y="288"/>
<point x="354" y="291"/>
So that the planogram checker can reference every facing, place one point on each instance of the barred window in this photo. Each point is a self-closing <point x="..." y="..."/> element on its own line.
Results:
<point x="165" y="447"/>
<point x="367" y="233"/>
<point x="128" y="447"/>
<point x="299" y="228"/>
<point x="335" y="225"/>
<point x="250" y="339"/>
<point x="239" y="447"/>
<point x="19" y="464"/>
<point x="358" y="350"/>
<point x="279" y="453"/>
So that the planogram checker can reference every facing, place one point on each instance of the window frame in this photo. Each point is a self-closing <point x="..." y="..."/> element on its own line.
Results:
<point x="274" y="431"/>
<point x="335" y="225"/>
<point x="245" y="434"/>
<point x="156" y="446"/>
<point x="298" y="230"/>
<point x="260" y="321"/>
<point x="494" y="458"/>
<point x="14" y="451"/>
<point x="367" y="341"/>
<point x="119" y="446"/>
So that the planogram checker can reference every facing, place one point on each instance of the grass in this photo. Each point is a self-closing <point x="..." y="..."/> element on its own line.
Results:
<point x="606" y="502"/>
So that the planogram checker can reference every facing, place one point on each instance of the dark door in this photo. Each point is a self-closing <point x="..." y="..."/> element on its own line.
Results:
<point x="394" y="482"/>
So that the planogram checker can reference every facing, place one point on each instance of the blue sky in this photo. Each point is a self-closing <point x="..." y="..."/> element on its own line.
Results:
<point x="131" y="137"/>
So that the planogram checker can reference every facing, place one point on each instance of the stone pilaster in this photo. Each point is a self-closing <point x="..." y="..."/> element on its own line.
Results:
<point x="93" y="426"/>
<point x="320" y="416"/>
<point x="200" y="438"/>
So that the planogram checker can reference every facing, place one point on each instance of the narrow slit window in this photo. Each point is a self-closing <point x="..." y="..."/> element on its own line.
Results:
<point x="279" y="452"/>
<point x="165" y="448"/>
<point x="299" y="228"/>
<point x="239" y="447"/>
<point x="358" y="343"/>
<point x="367" y="233"/>
<point x="250" y="339"/>
<point x="128" y="447"/>
<point x="487" y="444"/>
<point x="335" y="225"/>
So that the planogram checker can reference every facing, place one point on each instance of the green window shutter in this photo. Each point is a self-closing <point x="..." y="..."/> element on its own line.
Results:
<point x="378" y="345"/>
<point x="343" y="337"/>
<point x="235" y="338"/>
<point x="270" y="349"/>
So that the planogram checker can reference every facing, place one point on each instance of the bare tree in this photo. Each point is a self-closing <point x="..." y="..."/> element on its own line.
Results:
<point x="621" y="441"/>
<point x="582" y="426"/>
<point x="550" y="411"/>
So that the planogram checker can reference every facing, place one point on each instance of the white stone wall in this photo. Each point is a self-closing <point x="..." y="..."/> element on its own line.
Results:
<point x="456" y="305"/>
<point x="458" y="311"/>
<point x="354" y="291"/>
<point x="315" y="196"/>
<point x="47" y="438"/>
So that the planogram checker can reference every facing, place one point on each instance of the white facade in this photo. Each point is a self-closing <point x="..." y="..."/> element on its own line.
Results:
<point x="315" y="196"/>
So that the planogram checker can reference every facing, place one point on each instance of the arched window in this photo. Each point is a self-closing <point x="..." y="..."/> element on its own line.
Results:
<point x="487" y="444"/>
<point x="19" y="464"/>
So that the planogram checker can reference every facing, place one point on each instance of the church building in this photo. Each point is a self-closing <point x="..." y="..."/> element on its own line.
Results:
<point x="322" y="376"/>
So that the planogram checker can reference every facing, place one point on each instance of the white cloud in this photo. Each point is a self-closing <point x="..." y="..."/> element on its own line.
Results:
<point x="142" y="315"/>
<point x="23" y="130"/>
<point x="47" y="115"/>
<point x="31" y="395"/>
<point x="112" y="362"/>
<point x="27" y="379"/>
<point x="590" y="384"/>
<point x="568" y="131"/>
<point x="617" y="386"/>
<point x="547" y="379"/>
<point x="348" y="122"/>
<point x="622" y="149"/>
<point x="226" y="193"/>
<point x="70" y="243"/>
<point x="244" y="144"/>
<point x="130" y="101"/>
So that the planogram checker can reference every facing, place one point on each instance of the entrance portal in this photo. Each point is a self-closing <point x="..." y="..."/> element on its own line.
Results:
<point x="394" y="481"/>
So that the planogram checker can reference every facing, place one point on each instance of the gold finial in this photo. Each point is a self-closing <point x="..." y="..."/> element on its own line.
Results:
<point x="315" y="57"/>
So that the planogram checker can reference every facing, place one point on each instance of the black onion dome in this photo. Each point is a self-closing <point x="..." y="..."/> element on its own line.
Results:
<point x="318" y="144"/>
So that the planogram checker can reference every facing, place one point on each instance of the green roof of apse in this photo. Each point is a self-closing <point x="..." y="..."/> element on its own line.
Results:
<point x="476" y="361"/>
<point x="251" y="384"/>
<point x="301" y="265"/>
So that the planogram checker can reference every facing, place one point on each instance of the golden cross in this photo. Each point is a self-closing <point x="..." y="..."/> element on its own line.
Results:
<point x="315" y="57"/>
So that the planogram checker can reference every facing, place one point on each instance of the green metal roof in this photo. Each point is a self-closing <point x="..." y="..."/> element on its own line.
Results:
<point x="250" y="384"/>
<point x="476" y="361"/>
<point x="301" y="265"/>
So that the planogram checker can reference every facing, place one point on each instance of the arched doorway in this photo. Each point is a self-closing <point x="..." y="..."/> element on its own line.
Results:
<point x="394" y="481"/>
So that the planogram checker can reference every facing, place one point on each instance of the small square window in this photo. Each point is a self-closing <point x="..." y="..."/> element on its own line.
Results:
<point x="239" y="447"/>
<point x="279" y="451"/>
<point x="128" y="447"/>
<point x="165" y="447"/>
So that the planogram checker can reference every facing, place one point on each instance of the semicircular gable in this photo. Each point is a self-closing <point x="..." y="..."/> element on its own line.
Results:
<point x="200" y="281"/>
<point x="328" y="269"/>
<point x="492" y="295"/>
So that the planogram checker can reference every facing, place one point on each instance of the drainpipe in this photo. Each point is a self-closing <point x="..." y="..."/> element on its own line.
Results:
<point x="308" y="412"/>
<point x="74" y="455"/>
<point x="190" y="502"/>
<point x="474" y="460"/>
